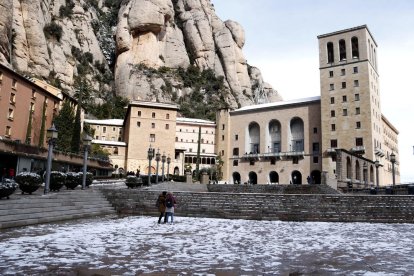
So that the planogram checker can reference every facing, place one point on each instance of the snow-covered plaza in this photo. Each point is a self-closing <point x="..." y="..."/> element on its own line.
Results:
<point x="202" y="246"/>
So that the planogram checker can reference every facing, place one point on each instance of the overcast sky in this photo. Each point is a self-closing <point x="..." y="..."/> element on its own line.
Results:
<point x="281" y="41"/>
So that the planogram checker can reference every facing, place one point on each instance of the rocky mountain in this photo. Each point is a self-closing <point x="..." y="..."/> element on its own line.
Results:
<point x="138" y="49"/>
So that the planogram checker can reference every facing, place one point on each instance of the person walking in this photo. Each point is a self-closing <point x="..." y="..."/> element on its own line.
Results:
<point x="161" y="205"/>
<point x="170" y="202"/>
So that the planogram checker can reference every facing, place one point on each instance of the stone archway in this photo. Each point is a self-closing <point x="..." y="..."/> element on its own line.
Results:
<point x="253" y="178"/>
<point x="176" y="171"/>
<point x="296" y="177"/>
<point x="236" y="178"/>
<point x="273" y="177"/>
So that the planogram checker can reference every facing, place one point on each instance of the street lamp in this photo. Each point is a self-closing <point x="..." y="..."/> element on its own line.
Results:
<point x="87" y="140"/>
<point x="150" y="156"/>
<point x="392" y="159"/>
<point x="52" y="135"/>
<point x="377" y="164"/>
<point x="163" y="157"/>
<point x="157" y="158"/>
<point x="168" y="167"/>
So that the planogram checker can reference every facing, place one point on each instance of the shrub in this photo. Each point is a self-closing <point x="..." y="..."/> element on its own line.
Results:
<point x="89" y="178"/>
<point x="73" y="179"/>
<point x="57" y="180"/>
<point x="53" y="30"/>
<point x="7" y="187"/>
<point x="28" y="182"/>
<point x="132" y="181"/>
<point x="178" y="178"/>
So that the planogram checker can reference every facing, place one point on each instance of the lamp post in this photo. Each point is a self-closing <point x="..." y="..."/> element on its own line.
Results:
<point x="52" y="135"/>
<point x="150" y="156"/>
<point x="163" y="157"/>
<point x="377" y="164"/>
<point x="392" y="159"/>
<point x="87" y="140"/>
<point x="157" y="158"/>
<point x="168" y="167"/>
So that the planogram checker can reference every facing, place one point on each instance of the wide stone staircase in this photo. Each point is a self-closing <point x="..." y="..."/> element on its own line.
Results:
<point x="289" y="207"/>
<point x="22" y="210"/>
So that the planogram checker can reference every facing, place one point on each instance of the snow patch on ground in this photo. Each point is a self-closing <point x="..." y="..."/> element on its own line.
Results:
<point x="133" y="245"/>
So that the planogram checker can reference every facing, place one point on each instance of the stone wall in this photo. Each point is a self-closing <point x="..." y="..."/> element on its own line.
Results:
<point x="255" y="206"/>
<point x="274" y="189"/>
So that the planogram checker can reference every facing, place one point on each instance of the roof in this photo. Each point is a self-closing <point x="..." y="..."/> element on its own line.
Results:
<point x="109" y="143"/>
<point x="385" y="120"/>
<point x="109" y="122"/>
<point x="278" y="104"/>
<point x="194" y="121"/>
<point x="348" y="30"/>
<point x="155" y="104"/>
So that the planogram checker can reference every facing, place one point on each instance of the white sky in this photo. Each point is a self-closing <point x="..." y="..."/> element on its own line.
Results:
<point x="281" y="41"/>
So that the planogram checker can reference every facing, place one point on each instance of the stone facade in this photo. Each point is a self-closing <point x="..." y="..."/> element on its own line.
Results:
<point x="350" y="98"/>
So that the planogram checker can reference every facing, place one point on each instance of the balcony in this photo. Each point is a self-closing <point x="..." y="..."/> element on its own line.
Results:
<point x="358" y="150"/>
<point x="331" y="151"/>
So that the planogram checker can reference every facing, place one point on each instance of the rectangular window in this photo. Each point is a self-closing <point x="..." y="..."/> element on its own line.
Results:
<point x="344" y="99"/>
<point x="236" y="137"/>
<point x="167" y="126"/>
<point x="14" y="84"/>
<point x="113" y="129"/>
<point x="332" y="100"/>
<point x="331" y="74"/>
<point x="34" y="94"/>
<point x="97" y="137"/>
<point x="153" y="114"/>
<point x="355" y="69"/>
<point x="332" y="113"/>
<point x="333" y="127"/>
<point x="343" y="85"/>
<point x="152" y="138"/>
<point x="357" y="110"/>
<point x="356" y="97"/>
<point x="356" y="83"/>
<point x="236" y="151"/>
<point x="295" y="160"/>
<point x="315" y="147"/>
<point x="139" y="113"/>
<point x="8" y="131"/>
<point x="345" y="112"/>
<point x="152" y="125"/>
<point x="331" y="86"/>
<point x="104" y="129"/>
<point x="252" y="162"/>
<point x="359" y="142"/>
<point x="334" y="143"/>
<point x="12" y="98"/>
<point x="358" y="124"/>
<point x="315" y="130"/>
<point x="138" y="124"/>
<point x="222" y="126"/>
<point x="342" y="72"/>
<point x="191" y="150"/>
<point x="103" y="138"/>
<point x="167" y="116"/>
<point x="10" y="114"/>
<point x="222" y="137"/>
<point x="315" y="159"/>
<point x="32" y="107"/>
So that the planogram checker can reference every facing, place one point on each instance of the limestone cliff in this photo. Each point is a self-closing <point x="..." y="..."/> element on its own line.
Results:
<point x="138" y="51"/>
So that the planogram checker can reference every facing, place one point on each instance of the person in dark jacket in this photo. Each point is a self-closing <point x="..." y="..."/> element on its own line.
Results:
<point x="161" y="205"/>
<point x="169" y="211"/>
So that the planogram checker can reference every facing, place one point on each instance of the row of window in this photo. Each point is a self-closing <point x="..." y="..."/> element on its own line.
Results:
<point x="357" y="126"/>
<point x="345" y="112"/>
<point x="167" y="126"/>
<point x="139" y="113"/>
<point x="103" y="138"/>
<point x="343" y="85"/>
<point x="359" y="141"/>
<point x="194" y="131"/>
<point x="192" y="141"/>
<point x="355" y="70"/>
<point x="295" y="160"/>
<point x="104" y="129"/>
<point x="345" y="98"/>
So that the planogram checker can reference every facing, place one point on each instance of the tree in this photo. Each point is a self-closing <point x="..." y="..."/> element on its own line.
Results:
<point x="64" y="123"/>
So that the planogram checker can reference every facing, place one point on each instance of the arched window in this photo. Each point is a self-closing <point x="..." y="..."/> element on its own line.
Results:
<point x="355" y="47"/>
<point x="275" y="135"/>
<point x="274" y="177"/>
<point x="296" y="177"/>
<point x="236" y="178"/>
<point x="252" y="178"/>
<point x="330" y="50"/>
<point x="297" y="134"/>
<point x="254" y="137"/>
<point x="342" y="50"/>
